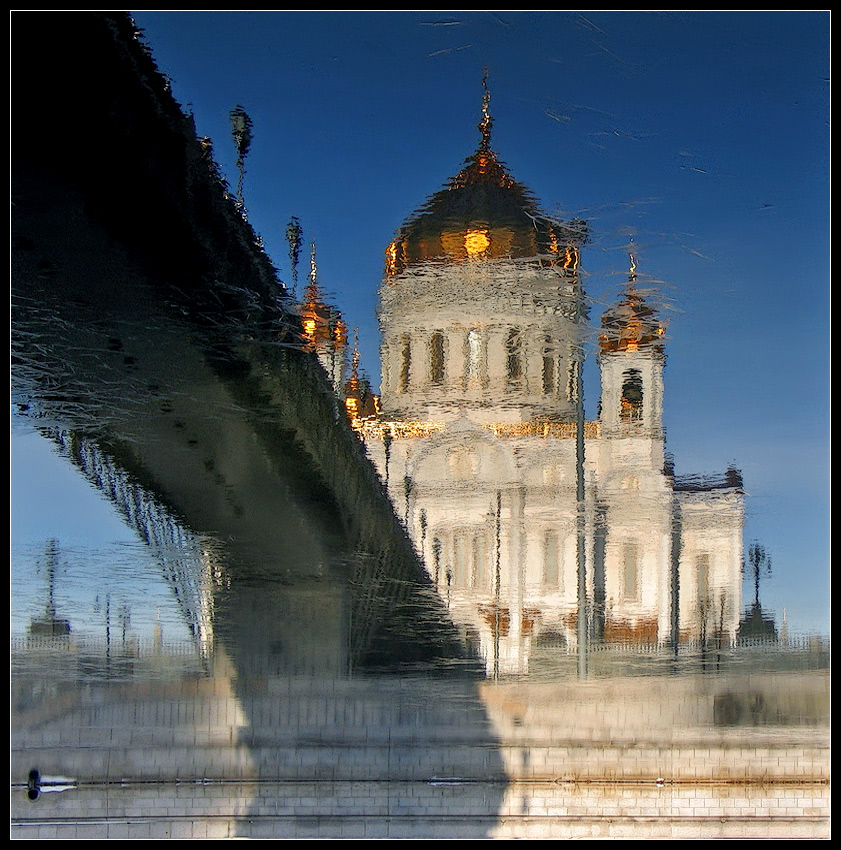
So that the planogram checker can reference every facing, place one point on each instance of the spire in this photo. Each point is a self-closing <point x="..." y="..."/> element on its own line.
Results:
<point x="323" y="325"/>
<point x="354" y="360"/>
<point x="632" y="325"/>
<point x="632" y="271"/>
<point x="360" y="402"/>
<point x="312" y="286"/>
<point x="486" y="123"/>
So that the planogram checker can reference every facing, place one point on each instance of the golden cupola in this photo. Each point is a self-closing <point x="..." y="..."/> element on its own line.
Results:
<point x="322" y="324"/>
<point x="360" y="402"/>
<point x="324" y="331"/>
<point x="632" y="324"/>
<point x="483" y="213"/>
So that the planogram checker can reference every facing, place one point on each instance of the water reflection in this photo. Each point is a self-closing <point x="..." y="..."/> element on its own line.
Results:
<point x="536" y="527"/>
<point x="278" y="654"/>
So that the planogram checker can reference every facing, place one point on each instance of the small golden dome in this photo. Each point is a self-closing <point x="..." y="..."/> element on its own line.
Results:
<point x="322" y="324"/>
<point x="632" y="325"/>
<point x="482" y="213"/>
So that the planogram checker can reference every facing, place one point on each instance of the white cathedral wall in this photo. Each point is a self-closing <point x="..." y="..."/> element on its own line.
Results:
<point x="711" y="561"/>
<point x="491" y="299"/>
<point x="459" y="475"/>
<point x="456" y="476"/>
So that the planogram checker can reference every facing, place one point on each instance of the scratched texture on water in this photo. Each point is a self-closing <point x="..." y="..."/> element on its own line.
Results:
<point x="257" y="594"/>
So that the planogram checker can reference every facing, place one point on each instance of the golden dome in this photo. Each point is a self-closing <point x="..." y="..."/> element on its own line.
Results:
<point x="631" y="325"/>
<point x="323" y="326"/>
<point x="483" y="213"/>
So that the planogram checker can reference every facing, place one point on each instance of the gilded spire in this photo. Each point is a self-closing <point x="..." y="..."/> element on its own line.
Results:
<point x="322" y="324"/>
<point x="312" y="286"/>
<point x="354" y="368"/>
<point x="631" y="325"/>
<point x="487" y="122"/>
<point x="360" y="402"/>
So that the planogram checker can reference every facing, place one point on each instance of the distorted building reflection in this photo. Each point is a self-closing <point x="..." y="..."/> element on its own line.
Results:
<point x="324" y="330"/>
<point x="484" y="324"/>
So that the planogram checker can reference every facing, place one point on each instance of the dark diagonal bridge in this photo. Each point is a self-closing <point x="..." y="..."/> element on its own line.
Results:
<point x="152" y="339"/>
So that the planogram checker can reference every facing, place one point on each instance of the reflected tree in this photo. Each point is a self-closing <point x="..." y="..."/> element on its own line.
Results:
<point x="241" y="126"/>
<point x="759" y="563"/>
<point x="755" y="622"/>
<point x="294" y="236"/>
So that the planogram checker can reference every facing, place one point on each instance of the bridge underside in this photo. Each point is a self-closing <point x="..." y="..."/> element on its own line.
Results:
<point x="146" y="318"/>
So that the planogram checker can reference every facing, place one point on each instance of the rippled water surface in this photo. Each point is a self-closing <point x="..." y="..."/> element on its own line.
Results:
<point x="256" y="592"/>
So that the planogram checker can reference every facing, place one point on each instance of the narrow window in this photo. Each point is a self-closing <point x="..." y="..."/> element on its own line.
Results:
<point x="461" y="559"/>
<point x="514" y="352"/>
<point x="548" y="369"/>
<point x="629" y="571"/>
<point x="551" y="559"/>
<point x="436" y="559"/>
<point x="406" y="363"/>
<point x="436" y="358"/>
<point x="703" y="563"/>
<point x="474" y="358"/>
<point x="480" y="561"/>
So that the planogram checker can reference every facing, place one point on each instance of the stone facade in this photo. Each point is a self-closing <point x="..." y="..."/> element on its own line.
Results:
<point x="476" y="438"/>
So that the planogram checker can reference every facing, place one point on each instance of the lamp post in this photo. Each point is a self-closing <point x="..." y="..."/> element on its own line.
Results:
<point x="497" y="577"/>
<point x="581" y="549"/>
<point x="50" y="625"/>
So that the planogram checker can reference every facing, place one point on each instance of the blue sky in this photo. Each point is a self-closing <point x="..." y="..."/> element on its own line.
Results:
<point x="702" y="135"/>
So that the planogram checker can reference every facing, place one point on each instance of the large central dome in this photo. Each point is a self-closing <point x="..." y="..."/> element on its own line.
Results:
<point x="483" y="213"/>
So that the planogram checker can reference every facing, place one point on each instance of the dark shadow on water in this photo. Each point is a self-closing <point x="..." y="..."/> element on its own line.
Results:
<point x="150" y="337"/>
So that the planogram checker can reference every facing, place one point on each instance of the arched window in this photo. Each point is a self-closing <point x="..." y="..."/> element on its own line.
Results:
<point x="514" y="359"/>
<point x="405" y="362"/>
<point x="436" y="358"/>
<point x="548" y="368"/>
<point x="630" y="409"/>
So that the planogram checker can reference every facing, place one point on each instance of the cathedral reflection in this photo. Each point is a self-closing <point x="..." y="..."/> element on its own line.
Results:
<point x="483" y="321"/>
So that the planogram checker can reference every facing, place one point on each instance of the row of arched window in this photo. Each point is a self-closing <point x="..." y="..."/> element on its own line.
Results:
<point x="556" y="372"/>
<point x="468" y="562"/>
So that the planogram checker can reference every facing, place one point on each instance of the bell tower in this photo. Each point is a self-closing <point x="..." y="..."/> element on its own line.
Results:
<point x="634" y="492"/>
<point x="631" y="361"/>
